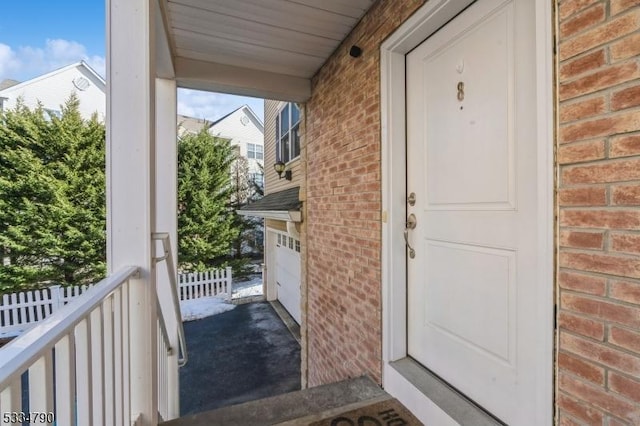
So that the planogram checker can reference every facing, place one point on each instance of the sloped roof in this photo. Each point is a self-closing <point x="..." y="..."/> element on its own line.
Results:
<point x="281" y="205"/>
<point x="7" y="82"/>
<point x="83" y="64"/>
<point x="252" y="115"/>
<point x="285" y="200"/>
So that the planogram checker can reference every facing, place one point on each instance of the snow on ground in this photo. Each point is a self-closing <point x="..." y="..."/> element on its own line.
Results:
<point x="203" y="307"/>
<point x="250" y="287"/>
<point x="207" y="306"/>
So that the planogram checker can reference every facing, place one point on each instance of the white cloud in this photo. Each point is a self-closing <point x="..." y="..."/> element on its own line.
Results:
<point x="8" y="61"/>
<point x="198" y="104"/>
<point x="27" y="62"/>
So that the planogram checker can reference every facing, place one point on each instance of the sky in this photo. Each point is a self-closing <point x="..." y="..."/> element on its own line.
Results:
<point x="39" y="36"/>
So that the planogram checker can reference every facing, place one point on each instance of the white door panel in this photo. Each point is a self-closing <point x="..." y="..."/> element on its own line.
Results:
<point x="471" y="159"/>
<point x="288" y="280"/>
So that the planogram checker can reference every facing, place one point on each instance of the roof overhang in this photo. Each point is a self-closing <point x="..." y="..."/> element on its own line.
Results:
<point x="281" y="205"/>
<point x="285" y="215"/>
<point x="268" y="49"/>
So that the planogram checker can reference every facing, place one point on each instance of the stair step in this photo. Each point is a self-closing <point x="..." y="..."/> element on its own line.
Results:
<point x="295" y="408"/>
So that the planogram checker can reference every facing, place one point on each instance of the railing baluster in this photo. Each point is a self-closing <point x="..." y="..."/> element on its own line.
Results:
<point x="84" y="393"/>
<point x="11" y="397"/>
<point x="41" y="385"/>
<point x="97" y="364"/>
<point x="119" y="353"/>
<point x="126" y="353"/>
<point x="65" y="381"/>
<point x="107" y="326"/>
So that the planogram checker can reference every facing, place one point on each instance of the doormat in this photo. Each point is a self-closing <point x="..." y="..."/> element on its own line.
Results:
<point x="386" y="413"/>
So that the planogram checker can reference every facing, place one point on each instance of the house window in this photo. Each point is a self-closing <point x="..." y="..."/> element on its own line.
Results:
<point x="257" y="178"/>
<point x="288" y="133"/>
<point x="298" y="246"/>
<point x="255" y="151"/>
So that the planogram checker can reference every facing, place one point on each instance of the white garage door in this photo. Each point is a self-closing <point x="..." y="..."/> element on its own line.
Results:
<point x="288" y="274"/>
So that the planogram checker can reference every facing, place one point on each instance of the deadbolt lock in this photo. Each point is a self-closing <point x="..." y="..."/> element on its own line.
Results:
<point x="411" y="221"/>
<point x="411" y="199"/>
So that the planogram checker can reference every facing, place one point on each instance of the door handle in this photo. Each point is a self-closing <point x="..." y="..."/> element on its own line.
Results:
<point x="411" y="224"/>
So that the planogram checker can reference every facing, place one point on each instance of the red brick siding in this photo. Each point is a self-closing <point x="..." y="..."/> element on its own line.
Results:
<point x="344" y="335"/>
<point x="598" y="356"/>
<point x="599" y="193"/>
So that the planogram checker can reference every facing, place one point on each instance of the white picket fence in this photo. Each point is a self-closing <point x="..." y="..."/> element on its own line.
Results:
<point x="202" y="284"/>
<point x="18" y="311"/>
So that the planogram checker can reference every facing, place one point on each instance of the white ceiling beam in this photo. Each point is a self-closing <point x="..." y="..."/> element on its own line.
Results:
<point x="214" y="77"/>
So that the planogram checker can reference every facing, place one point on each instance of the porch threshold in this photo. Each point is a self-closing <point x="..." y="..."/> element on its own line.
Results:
<point x="450" y="400"/>
<point x="296" y="408"/>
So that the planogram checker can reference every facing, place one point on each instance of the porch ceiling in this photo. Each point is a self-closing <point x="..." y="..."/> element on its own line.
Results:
<point x="264" y="48"/>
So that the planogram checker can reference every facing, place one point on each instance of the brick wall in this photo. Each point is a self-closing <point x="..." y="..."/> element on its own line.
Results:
<point x="599" y="195"/>
<point x="343" y="228"/>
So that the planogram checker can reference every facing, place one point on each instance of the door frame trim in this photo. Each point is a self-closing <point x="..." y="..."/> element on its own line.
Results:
<point x="424" y="22"/>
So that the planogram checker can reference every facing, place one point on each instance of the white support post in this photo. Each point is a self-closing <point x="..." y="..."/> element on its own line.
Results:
<point x="167" y="219"/>
<point x="131" y="140"/>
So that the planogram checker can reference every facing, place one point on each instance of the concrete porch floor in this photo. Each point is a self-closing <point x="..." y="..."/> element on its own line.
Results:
<point x="333" y="404"/>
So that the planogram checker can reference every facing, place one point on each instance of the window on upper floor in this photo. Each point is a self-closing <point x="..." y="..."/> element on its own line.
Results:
<point x="288" y="133"/>
<point x="257" y="178"/>
<point x="255" y="151"/>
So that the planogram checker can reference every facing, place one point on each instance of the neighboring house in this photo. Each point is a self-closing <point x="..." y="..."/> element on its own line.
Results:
<point x="53" y="89"/>
<point x="245" y="130"/>
<point x="280" y="207"/>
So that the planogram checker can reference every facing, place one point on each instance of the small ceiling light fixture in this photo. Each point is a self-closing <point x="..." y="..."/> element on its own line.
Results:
<point x="355" y="51"/>
<point x="280" y="167"/>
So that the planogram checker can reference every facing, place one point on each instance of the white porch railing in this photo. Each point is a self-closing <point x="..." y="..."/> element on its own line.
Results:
<point x="86" y="345"/>
<point x="20" y="310"/>
<point x="76" y="365"/>
<point x="216" y="282"/>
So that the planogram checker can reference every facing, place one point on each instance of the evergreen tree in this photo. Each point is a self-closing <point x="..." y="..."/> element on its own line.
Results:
<point x="245" y="190"/>
<point x="52" y="198"/>
<point x="206" y="220"/>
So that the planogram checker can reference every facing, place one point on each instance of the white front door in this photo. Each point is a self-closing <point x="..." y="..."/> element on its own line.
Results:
<point x="472" y="164"/>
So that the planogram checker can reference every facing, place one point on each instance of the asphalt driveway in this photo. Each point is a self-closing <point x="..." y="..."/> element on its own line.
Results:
<point x="237" y="356"/>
